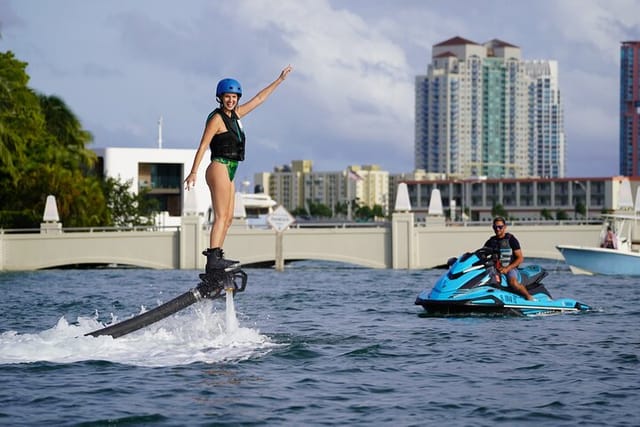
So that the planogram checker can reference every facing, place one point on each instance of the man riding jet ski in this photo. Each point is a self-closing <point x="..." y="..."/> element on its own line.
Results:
<point x="473" y="285"/>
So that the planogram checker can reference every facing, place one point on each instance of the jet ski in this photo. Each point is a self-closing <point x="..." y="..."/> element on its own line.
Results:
<point x="472" y="284"/>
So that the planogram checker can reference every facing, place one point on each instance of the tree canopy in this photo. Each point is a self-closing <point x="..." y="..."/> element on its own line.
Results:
<point x="43" y="150"/>
<point x="21" y="121"/>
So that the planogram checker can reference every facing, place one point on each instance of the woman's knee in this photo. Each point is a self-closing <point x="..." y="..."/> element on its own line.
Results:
<point x="223" y="220"/>
<point x="228" y="222"/>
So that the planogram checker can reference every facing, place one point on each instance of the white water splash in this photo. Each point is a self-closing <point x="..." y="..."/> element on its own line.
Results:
<point x="231" y="319"/>
<point x="198" y="334"/>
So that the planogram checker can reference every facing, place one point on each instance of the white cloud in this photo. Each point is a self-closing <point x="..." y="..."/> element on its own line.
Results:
<point x="350" y="98"/>
<point x="599" y="25"/>
<point x="357" y="78"/>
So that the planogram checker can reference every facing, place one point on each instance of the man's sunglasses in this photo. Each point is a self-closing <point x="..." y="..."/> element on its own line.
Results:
<point x="498" y="227"/>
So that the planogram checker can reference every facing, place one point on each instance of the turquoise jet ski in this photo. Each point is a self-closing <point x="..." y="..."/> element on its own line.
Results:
<point x="472" y="284"/>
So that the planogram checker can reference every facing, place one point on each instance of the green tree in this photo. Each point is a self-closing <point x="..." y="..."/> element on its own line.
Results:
<point x="367" y="213"/>
<point x="43" y="150"/>
<point x="377" y="211"/>
<point x="300" y="212"/>
<point x="319" y="210"/>
<point x="60" y="164"/>
<point x="363" y="213"/>
<point x="546" y="214"/>
<point x="67" y="139"/>
<point x="581" y="209"/>
<point x="49" y="158"/>
<point x="499" y="210"/>
<point x="561" y="215"/>
<point x="127" y="209"/>
<point x="341" y="208"/>
<point x="21" y="120"/>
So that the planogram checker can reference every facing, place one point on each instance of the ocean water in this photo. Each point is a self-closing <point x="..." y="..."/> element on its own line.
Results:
<point x="317" y="344"/>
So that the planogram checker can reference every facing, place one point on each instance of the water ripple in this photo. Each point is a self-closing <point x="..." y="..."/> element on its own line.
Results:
<point x="324" y="345"/>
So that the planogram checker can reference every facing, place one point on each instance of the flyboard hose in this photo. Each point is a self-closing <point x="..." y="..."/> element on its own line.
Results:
<point x="210" y="287"/>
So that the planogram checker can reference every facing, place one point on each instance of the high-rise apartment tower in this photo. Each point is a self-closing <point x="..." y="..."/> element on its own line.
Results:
<point x="630" y="108"/>
<point x="483" y="111"/>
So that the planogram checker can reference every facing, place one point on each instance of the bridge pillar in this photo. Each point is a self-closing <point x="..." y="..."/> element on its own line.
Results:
<point x="402" y="240"/>
<point x="191" y="244"/>
<point x="50" y="228"/>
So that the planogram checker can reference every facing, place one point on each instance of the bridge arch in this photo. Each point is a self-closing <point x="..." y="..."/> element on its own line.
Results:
<point x="393" y="245"/>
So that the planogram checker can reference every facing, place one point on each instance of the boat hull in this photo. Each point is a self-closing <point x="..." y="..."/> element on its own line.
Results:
<point x="592" y="260"/>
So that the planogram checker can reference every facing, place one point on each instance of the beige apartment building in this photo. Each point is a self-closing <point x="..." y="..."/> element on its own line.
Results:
<point x="468" y="199"/>
<point x="295" y="185"/>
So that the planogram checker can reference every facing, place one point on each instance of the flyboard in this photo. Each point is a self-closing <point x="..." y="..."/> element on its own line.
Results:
<point x="211" y="286"/>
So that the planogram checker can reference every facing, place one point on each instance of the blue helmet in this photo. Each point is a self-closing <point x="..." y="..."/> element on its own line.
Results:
<point x="229" y="86"/>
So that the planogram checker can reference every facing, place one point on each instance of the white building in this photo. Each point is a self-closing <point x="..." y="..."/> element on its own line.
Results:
<point x="163" y="171"/>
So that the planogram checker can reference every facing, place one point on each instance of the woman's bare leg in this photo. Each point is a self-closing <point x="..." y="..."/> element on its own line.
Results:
<point x="222" y="199"/>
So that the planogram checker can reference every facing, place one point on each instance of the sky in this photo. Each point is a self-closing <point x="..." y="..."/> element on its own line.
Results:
<point x="121" y="65"/>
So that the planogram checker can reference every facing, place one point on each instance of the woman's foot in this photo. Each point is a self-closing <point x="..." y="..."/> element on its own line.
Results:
<point x="217" y="262"/>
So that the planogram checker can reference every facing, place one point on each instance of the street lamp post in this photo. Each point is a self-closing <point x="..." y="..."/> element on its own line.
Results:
<point x="462" y="194"/>
<point x="452" y="187"/>
<point x="586" y="199"/>
<point x="469" y="182"/>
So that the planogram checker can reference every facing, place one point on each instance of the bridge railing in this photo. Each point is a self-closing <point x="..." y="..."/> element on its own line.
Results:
<point x="93" y="229"/>
<point x="306" y="224"/>
<point x="340" y="224"/>
<point x="517" y="222"/>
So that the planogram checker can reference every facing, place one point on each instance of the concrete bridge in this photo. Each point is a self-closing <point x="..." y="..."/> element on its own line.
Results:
<point x="398" y="244"/>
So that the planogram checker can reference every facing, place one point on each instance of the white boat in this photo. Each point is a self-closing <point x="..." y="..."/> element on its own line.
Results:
<point x="254" y="208"/>
<point x="257" y="204"/>
<point x="615" y="255"/>
<point x="622" y="259"/>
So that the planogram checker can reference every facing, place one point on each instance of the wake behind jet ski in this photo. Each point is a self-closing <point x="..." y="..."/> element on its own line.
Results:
<point x="473" y="285"/>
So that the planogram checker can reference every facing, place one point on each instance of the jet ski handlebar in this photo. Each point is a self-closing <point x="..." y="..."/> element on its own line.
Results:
<point x="488" y="255"/>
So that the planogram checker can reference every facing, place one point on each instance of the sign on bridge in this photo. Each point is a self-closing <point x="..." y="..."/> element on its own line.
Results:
<point x="280" y="219"/>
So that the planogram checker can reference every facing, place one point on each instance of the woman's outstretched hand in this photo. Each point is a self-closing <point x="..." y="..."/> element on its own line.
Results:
<point x="286" y="71"/>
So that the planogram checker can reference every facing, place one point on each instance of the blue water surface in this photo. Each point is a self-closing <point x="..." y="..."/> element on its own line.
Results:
<point x="317" y="344"/>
